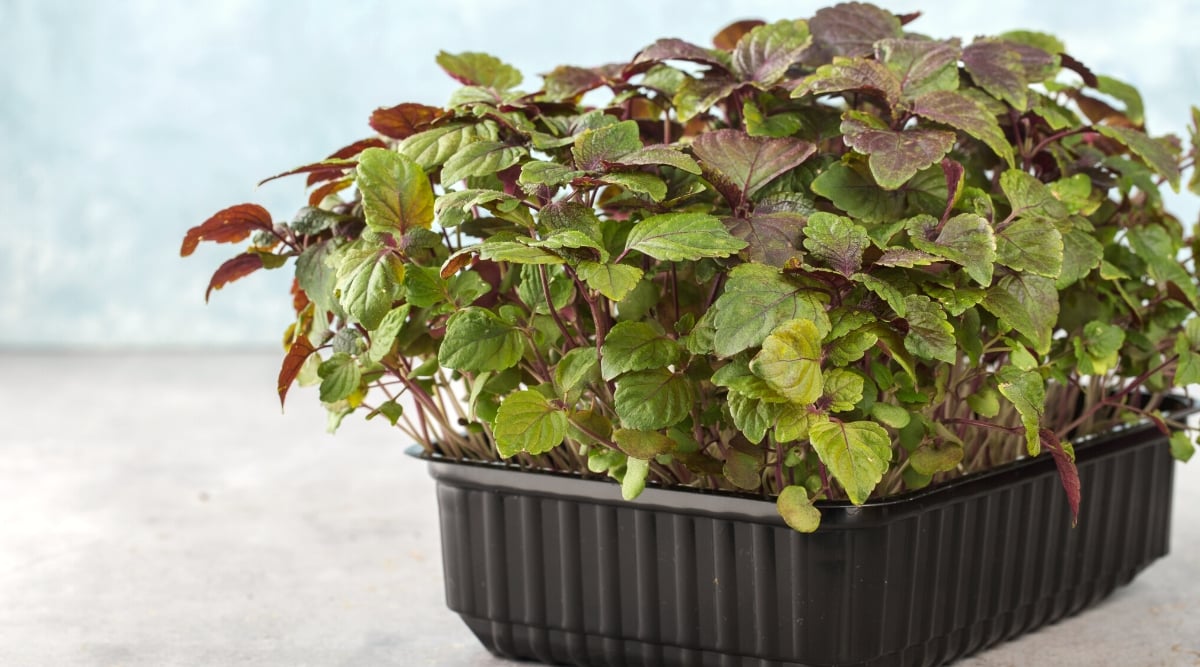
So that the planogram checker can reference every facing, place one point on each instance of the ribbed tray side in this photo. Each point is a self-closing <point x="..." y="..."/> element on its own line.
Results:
<point x="587" y="582"/>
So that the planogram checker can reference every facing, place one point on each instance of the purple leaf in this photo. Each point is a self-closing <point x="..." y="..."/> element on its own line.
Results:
<point x="1064" y="460"/>
<point x="859" y="75"/>
<point x="771" y="237"/>
<point x="895" y="156"/>
<point x="738" y="165"/>
<point x="765" y="53"/>
<point x="963" y="113"/>
<point x="672" y="49"/>
<point x="851" y="29"/>
<point x="1005" y="69"/>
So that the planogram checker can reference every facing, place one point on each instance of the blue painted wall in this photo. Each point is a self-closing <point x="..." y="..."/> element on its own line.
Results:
<point x="123" y="123"/>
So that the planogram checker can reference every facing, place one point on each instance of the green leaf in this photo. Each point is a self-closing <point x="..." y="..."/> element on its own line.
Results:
<point x="794" y="422"/>
<point x="763" y="55"/>
<point x="790" y="361"/>
<point x="340" y="377"/>
<point x="1181" y="446"/>
<point x="965" y="239"/>
<point x="606" y="144"/>
<point x="576" y="368"/>
<point x="1097" y="350"/>
<point x="1127" y="94"/>
<point x="481" y="158"/>
<point x="922" y="65"/>
<point x="757" y="299"/>
<point x="797" y="509"/>
<point x="1028" y="304"/>
<point x="527" y="422"/>
<point x="636" y="346"/>
<point x="659" y="155"/>
<point x="895" y="157"/>
<point x="434" y="146"/>
<point x="1030" y="198"/>
<point x="891" y="415"/>
<point x="854" y="191"/>
<point x="652" y="400"/>
<point x="1026" y="390"/>
<point x="546" y="173"/>
<point x="837" y="241"/>
<point x="884" y="290"/>
<point x="739" y="165"/>
<point x="318" y="279"/>
<point x="931" y="459"/>
<point x="614" y="281"/>
<point x="478" y="340"/>
<point x="1155" y="153"/>
<point x="384" y="337"/>
<point x="391" y="410"/>
<point x="774" y="125"/>
<point x="368" y="281"/>
<point x="634" y="481"/>
<point x="738" y="378"/>
<point x="1153" y="244"/>
<point x="531" y="293"/>
<point x="396" y="193"/>
<point x="965" y="114"/>
<point x="480" y="69"/>
<point x="1031" y="245"/>
<point x="424" y="287"/>
<point x="643" y="445"/>
<point x="843" y="389"/>
<point x="752" y="416"/>
<point x="856" y="453"/>
<point x="517" y="252"/>
<point x="851" y="347"/>
<point x="1081" y="253"/>
<point x="682" y="237"/>
<point x="985" y="402"/>
<point x="930" y="335"/>
<point x="743" y="470"/>
<point x="638" y="182"/>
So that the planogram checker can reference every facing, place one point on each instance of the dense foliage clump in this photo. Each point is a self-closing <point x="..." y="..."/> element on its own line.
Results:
<point x="823" y="259"/>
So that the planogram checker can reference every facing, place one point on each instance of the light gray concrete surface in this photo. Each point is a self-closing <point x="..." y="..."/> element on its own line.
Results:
<point x="156" y="509"/>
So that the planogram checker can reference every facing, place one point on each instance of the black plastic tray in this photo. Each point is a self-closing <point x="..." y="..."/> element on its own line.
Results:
<point x="559" y="569"/>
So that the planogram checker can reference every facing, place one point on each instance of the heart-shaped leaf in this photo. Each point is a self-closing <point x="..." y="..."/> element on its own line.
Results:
<point x="856" y="453"/>
<point x="739" y="165"/>
<point x="895" y="157"/>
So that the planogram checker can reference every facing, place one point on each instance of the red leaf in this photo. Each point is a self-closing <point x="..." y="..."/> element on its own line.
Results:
<point x="323" y="171"/>
<point x="297" y="354"/>
<point x="729" y="36"/>
<point x="403" y="120"/>
<point x="344" y="153"/>
<point x="1085" y="72"/>
<point x="230" y="225"/>
<point x="1064" y="459"/>
<point x="299" y="297"/>
<point x="238" y="267"/>
<point x="954" y="179"/>
<point x="315" y="197"/>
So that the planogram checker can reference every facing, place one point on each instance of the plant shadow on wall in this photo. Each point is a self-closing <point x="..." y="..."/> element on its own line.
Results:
<point x="825" y="260"/>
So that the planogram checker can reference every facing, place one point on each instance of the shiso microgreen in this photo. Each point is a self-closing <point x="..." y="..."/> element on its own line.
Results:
<point x="825" y="259"/>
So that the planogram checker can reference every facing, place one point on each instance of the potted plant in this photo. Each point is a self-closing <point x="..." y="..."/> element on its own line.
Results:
<point x="835" y="302"/>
